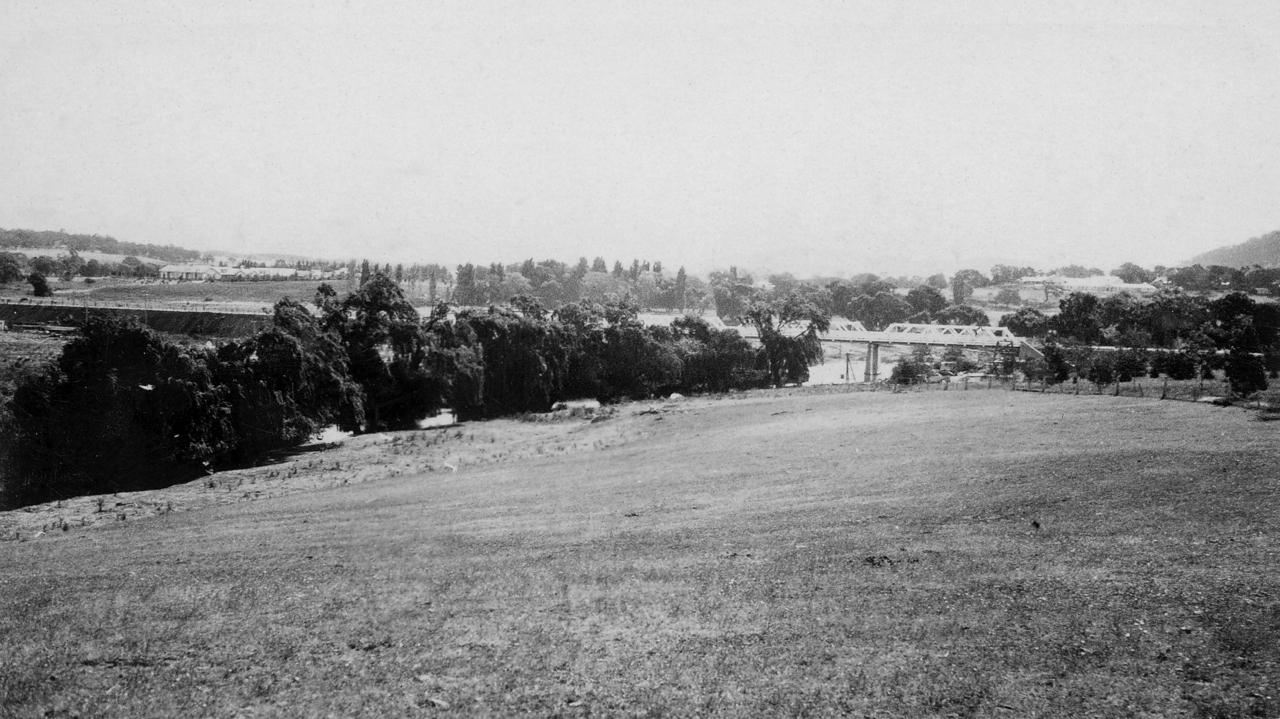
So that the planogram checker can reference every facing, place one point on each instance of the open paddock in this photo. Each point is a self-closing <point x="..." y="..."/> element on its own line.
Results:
<point x="794" y="553"/>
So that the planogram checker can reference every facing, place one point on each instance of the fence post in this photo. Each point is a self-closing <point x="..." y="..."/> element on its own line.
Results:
<point x="1164" y="391"/>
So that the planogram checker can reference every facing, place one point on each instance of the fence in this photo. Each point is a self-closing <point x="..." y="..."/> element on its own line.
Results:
<point x="1195" y="390"/>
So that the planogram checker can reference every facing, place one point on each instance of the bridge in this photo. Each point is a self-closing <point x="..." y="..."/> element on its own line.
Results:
<point x="995" y="339"/>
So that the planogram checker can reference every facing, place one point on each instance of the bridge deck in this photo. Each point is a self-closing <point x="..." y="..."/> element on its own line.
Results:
<point x="913" y="334"/>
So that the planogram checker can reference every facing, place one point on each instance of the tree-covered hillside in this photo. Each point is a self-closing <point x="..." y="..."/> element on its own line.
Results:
<point x="93" y="243"/>
<point x="1264" y="251"/>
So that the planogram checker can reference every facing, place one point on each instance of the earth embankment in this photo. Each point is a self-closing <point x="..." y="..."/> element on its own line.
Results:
<point x="170" y="321"/>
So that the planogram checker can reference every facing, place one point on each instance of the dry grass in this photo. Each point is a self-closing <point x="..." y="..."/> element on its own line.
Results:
<point x="866" y="554"/>
<point x="23" y="354"/>
<point x="265" y="293"/>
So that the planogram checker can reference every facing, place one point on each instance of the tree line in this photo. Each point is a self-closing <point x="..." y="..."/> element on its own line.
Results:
<point x="126" y="408"/>
<point x="93" y="243"/>
<point x="1189" y="334"/>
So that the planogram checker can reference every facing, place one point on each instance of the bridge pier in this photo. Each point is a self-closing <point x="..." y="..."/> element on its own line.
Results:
<point x="872" y="370"/>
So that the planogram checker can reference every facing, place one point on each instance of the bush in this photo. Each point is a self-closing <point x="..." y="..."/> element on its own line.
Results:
<point x="39" y="285"/>
<point x="1246" y="373"/>
<point x="1174" y="365"/>
<point x="913" y="368"/>
<point x="123" y="409"/>
<point x="1130" y="363"/>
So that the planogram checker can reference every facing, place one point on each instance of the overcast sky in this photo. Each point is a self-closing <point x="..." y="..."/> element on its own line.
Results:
<point x="831" y="137"/>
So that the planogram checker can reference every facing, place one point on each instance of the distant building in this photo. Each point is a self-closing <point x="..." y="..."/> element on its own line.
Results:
<point x="1095" y="285"/>
<point x="196" y="273"/>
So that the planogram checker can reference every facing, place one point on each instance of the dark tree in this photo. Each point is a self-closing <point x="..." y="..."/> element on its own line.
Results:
<point x="467" y="290"/>
<point x="715" y="360"/>
<point x="788" y="330"/>
<point x="122" y="409"/>
<point x="46" y="265"/>
<point x="912" y="368"/>
<point x="391" y="357"/>
<point x="1026" y="322"/>
<point x="879" y="311"/>
<point x="962" y="315"/>
<point x="10" y="267"/>
<point x="1078" y="318"/>
<point x="1005" y="274"/>
<point x="1133" y="274"/>
<point x="39" y="285"/>
<point x="524" y="358"/>
<point x="285" y="384"/>
<point x="927" y="301"/>
<point x="971" y="278"/>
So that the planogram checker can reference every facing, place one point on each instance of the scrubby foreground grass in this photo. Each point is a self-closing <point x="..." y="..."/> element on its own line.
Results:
<point x="945" y="554"/>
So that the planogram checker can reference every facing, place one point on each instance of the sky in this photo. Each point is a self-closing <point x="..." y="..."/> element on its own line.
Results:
<point x="811" y="137"/>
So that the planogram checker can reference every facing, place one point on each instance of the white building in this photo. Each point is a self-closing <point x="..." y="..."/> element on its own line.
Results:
<point x="1095" y="285"/>
<point x="189" y="272"/>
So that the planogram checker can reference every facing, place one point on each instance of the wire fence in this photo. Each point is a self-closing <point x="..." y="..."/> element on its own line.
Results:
<point x="1216" y="389"/>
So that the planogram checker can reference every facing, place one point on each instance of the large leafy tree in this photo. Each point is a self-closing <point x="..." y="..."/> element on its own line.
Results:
<point x="1123" y="320"/>
<point x="1004" y="274"/>
<point x="972" y="278"/>
<point x="39" y="285"/>
<point x="715" y="360"/>
<point x="789" y="330"/>
<point x="122" y="409"/>
<point x="285" y="384"/>
<point x="926" y="301"/>
<point x="1234" y="326"/>
<point x="1173" y="317"/>
<point x="1078" y="318"/>
<point x="525" y="359"/>
<point x="880" y="310"/>
<point x="1133" y="274"/>
<point x="1026" y="322"/>
<point x="10" y="267"/>
<point x="962" y="315"/>
<point x="389" y="355"/>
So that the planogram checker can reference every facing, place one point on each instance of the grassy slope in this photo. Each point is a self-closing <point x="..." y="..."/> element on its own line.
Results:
<point x="261" y="293"/>
<point x="824" y="554"/>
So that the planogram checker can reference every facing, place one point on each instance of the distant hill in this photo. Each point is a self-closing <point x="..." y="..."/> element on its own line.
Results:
<point x="1264" y="251"/>
<point x="64" y="241"/>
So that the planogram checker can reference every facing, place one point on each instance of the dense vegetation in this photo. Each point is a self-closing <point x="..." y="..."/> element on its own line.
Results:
<point x="93" y="243"/>
<point x="125" y="408"/>
<point x="1173" y="333"/>
<point x="1263" y="251"/>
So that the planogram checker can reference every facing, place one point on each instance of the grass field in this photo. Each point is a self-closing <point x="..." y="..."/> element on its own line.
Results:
<point x="25" y="353"/>
<point x="257" y="293"/>
<point x="980" y="553"/>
